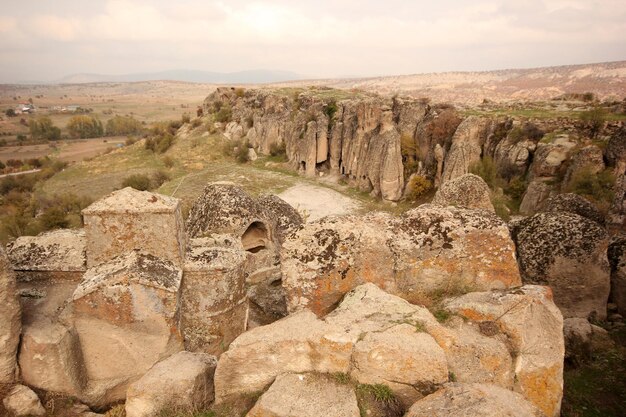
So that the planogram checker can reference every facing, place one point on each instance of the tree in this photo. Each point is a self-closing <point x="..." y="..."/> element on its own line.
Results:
<point x="123" y="125"/>
<point x="43" y="128"/>
<point x="85" y="127"/>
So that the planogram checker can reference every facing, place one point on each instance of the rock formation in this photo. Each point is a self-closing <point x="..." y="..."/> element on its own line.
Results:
<point x="569" y="253"/>
<point x="377" y="338"/>
<point x="617" y="260"/>
<point x="11" y="323"/>
<point x="468" y="191"/>
<point x="426" y="251"/>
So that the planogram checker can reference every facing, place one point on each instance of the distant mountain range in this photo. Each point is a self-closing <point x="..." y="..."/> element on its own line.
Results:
<point x="193" y="76"/>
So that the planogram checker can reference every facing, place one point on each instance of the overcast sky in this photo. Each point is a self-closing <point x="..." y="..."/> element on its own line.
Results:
<point x="45" y="40"/>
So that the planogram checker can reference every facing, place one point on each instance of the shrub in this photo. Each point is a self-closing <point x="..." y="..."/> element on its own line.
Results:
<point x="330" y="109"/>
<point x="185" y="118"/>
<point x="485" y="169"/>
<point x="10" y="113"/>
<point x="595" y="187"/>
<point x="224" y="115"/>
<point x="84" y="127"/>
<point x="53" y="218"/>
<point x="158" y="178"/>
<point x="168" y="161"/>
<point x="516" y="188"/>
<point x="417" y="187"/>
<point x="242" y="152"/>
<point x="139" y="182"/>
<point x="123" y="125"/>
<point x="196" y="122"/>
<point x="159" y="143"/>
<point x="21" y="138"/>
<point x="239" y="92"/>
<point x="130" y="141"/>
<point x="594" y="120"/>
<point x="442" y="128"/>
<point x="43" y="128"/>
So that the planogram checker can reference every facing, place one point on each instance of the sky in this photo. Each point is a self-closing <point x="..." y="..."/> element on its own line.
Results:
<point x="47" y="39"/>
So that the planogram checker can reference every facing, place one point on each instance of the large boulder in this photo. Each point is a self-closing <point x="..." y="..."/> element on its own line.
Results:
<point x="21" y="401"/>
<point x="306" y="395"/>
<point x="287" y="218"/>
<point x="182" y="383"/>
<point x="568" y="253"/>
<point x="617" y="259"/>
<point x="473" y="400"/>
<point x="538" y="191"/>
<point x="55" y="251"/>
<point x="51" y="358"/>
<point x="513" y="339"/>
<point x="126" y="314"/>
<point x="533" y="327"/>
<point x="573" y="203"/>
<point x="214" y="303"/>
<point x="468" y="191"/>
<point x="11" y="322"/>
<point x="128" y="220"/>
<point x="298" y="343"/>
<point x="426" y="252"/>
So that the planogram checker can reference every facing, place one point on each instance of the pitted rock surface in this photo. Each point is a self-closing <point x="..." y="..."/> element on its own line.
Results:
<point x="11" y="322"/>
<point x="573" y="203"/>
<point x="468" y="191"/>
<point x="567" y="252"/>
<point x="58" y="250"/>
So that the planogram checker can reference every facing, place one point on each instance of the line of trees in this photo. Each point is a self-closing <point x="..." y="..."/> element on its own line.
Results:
<point x="84" y="126"/>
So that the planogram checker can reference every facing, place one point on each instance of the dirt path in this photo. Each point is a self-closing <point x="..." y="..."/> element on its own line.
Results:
<point x="318" y="202"/>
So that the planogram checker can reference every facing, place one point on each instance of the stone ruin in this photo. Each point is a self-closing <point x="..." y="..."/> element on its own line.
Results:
<point x="102" y="305"/>
<point x="430" y="303"/>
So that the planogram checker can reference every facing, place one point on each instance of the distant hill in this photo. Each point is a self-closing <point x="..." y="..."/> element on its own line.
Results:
<point x="605" y="80"/>
<point x="192" y="76"/>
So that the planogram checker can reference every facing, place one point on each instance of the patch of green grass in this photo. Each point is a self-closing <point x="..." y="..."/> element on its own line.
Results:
<point x="442" y="315"/>
<point x="342" y="378"/>
<point x="381" y="392"/>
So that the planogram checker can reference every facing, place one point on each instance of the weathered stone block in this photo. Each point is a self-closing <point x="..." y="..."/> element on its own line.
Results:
<point x="126" y="314"/>
<point x="129" y="219"/>
<point x="214" y="301"/>
<point x="182" y="382"/>
<point x="51" y="359"/>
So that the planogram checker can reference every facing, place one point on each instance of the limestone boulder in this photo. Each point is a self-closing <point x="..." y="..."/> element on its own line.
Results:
<point x="549" y="157"/>
<point x="128" y="220"/>
<point x="533" y="327"/>
<point x="11" y="322"/>
<point x="306" y="395"/>
<point x="298" y="343"/>
<point x="182" y="382"/>
<point x="588" y="160"/>
<point x="573" y="203"/>
<point x="214" y="303"/>
<point x="287" y="218"/>
<point x="126" y="314"/>
<point x="415" y="256"/>
<point x="538" y="191"/>
<point x="569" y="253"/>
<point x="60" y="250"/>
<point x="468" y="191"/>
<point x="473" y="400"/>
<point x="405" y="358"/>
<point x="615" y="150"/>
<point x="51" y="359"/>
<point x="583" y="339"/>
<point x="21" y="401"/>
<point x="617" y="259"/>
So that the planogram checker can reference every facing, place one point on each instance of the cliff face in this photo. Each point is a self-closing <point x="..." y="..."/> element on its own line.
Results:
<point x="355" y="137"/>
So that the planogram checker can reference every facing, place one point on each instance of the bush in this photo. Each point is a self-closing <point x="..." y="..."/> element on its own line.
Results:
<point x="139" y="182"/>
<point x="85" y="127"/>
<point x="594" y="120"/>
<point x="53" y="218"/>
<point x="330" y="109"/>
<point x="159" y="143"/>
<point x="185" y="118"/>
<point x="10" y="113"/>
<point x="123" y="125"/>
<point x="595" y="187"/>
<point x="485" y="169"/>
<point x="417" y="187"/>
<point x="168" y="161"/>
<point x="242" y="152"/>
<point x="224" y="114"/>
<point x="239" y="92"/>
<point x="158" y="178"/>
<point x="43" y="128"/>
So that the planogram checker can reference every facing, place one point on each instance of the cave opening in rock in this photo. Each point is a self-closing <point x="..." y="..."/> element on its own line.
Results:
<point x="255" y="238"/>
